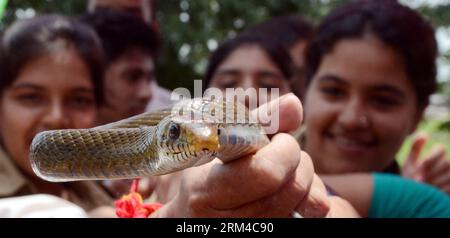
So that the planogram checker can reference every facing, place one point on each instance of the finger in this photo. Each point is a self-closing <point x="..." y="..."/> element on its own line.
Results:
<point x="294" y="196"/>
<point x="418" y="143"/>
<point x="434" y="163"/>
<point x="341" y="208"/>
<point x="280" y="204"/>
<point x="442" y="176"/>
<point x="287" y="107"/>
<point x="146" y="186"/>
<point x="316" y="203"/>
<point x="254" y="177"/>
<point x="442" y="181"/>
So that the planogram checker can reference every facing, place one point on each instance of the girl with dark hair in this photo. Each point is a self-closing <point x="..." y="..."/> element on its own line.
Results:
<point x="293" y="32"/>
<point x="52" y="69"/>
<point x="250" y="62"/>
<point x="370" y="70"/>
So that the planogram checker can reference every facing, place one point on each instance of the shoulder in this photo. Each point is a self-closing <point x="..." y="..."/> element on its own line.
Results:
<point x="12" y="181"/>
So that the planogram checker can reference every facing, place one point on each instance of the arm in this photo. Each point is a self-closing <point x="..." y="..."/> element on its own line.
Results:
<point x="355" y="188"/>
<point x="389" y="196"/>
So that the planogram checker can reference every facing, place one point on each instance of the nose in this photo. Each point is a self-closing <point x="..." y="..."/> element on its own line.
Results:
<point x="144" y="92"/>
<point x="55" y="117"/>
<point x="354" y="115"/>
<point x="251" y="99"/>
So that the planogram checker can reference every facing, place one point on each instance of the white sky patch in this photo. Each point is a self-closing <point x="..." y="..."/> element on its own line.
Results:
<point x="443" y="70"/>
<point x="212" y="44"/>
<point x="184" y="51"/>
<point x="420" y="3"/>
<point x="25" y="13"/>
<point x="443" y="38"/>
<point x="184" y="17"/>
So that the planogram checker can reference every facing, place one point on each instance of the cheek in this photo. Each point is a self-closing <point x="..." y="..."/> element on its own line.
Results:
<point x="124" y="91"/>
<point x="318" y="112"/>
<point x="17" y="131"/>
<point x="83" y="119"/>
<point x="16" y="120"/>
<point x="393" y="128"/>
<point x="116" y="86"/>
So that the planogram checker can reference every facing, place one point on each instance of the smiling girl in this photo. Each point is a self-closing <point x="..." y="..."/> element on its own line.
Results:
<point x="50" y="79"/>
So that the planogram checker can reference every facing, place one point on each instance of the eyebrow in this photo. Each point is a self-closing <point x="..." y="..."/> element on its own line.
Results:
<point x="332" y="78"/>
<point x="227" y="72"/>
<point x="36" y="87"/>
<point x="270" y="73"/>
<point x="26" y="85"/>
<point x="388" y="89"/>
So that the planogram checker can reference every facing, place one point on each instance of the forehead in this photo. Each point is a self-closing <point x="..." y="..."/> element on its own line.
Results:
<point x="297" y="52"/>
<point x="365" y="61"/>
<point x="248" y="58"/>
<point x="60" y="70"/>
<point x="134" y="58"/>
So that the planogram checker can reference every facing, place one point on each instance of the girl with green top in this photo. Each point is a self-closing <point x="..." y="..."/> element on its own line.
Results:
<point x="370" y="69"/>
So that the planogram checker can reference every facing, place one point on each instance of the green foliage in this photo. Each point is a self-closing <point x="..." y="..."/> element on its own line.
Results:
<point x="185" y="44"/>
<point x="445" y="126"/>
<point x="15" y="7"/>
<point x="439" y="16"/>
<point x="437" y="135"/>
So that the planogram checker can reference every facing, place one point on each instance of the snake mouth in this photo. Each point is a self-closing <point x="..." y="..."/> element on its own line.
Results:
<point x="193" y="153"/>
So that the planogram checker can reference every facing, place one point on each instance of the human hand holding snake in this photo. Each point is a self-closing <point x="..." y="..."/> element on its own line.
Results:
<point x="275" y="182"/>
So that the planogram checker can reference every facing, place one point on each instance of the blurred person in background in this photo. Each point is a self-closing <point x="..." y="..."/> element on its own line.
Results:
<point x="292" y="32"/>
<point x="146" y="11"/>
<point x="250" y="62"/>
<point x="51" y="78"/>
<point x="131" y="49"/>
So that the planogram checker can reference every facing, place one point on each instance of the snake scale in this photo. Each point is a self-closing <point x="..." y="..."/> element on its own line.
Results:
<point x="190" y="133"/>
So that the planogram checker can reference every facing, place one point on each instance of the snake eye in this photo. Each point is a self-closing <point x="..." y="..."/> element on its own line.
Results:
<point x="174" y="131"/>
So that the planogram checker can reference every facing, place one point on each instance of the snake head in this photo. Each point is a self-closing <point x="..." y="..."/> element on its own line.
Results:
<point x="188" y="141"/>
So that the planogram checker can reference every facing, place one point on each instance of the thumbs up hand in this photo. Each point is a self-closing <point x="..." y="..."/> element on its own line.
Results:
<point x="434" y="169"/>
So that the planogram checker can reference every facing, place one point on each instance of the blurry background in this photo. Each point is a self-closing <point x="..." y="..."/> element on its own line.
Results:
<point x="191" y="29"/>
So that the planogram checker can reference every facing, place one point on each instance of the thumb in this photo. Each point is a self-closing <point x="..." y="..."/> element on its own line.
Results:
<point x="411" y="167"/>
<point x="418" y="144"/>
<point x="283" y="114"/>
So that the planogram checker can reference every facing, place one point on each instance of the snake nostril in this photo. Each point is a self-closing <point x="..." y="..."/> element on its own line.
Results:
<point x="218" y="132"/>
<point x="205" y="150"/>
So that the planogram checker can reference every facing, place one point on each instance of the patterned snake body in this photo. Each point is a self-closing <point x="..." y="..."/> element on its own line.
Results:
<point x="191" y="133"/>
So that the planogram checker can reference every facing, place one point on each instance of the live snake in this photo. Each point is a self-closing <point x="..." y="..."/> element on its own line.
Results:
<point x="191" y="133"/>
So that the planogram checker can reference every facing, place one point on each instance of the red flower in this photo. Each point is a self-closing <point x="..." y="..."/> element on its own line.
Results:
<point x="132" y="206"/>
